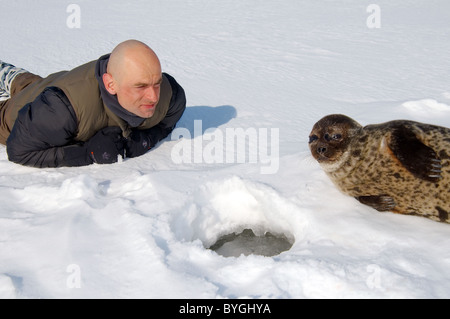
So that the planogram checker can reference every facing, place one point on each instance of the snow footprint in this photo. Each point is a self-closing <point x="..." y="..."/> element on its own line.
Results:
<point x="49" y="197"/>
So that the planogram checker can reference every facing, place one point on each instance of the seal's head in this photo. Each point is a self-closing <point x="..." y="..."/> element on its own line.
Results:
<point x="330" y="139"/>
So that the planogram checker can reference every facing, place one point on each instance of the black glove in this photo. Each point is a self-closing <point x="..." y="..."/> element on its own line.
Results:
<point x="138" y="143"/>
<point x="106" y="145"/>
<point x="102" y="148"/>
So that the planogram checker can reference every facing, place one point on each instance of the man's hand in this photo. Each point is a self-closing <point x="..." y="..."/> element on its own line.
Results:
<point x="106" y="145"/>
<point x="138" y="143"/>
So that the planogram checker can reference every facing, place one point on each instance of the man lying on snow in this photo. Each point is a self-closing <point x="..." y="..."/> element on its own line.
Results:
<point x="121" y="104"/>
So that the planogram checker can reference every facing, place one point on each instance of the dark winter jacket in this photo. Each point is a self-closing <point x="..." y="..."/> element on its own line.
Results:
<point x="65" y="109"/>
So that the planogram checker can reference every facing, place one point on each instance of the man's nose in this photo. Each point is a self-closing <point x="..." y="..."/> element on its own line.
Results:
<point x="152" y="93"/>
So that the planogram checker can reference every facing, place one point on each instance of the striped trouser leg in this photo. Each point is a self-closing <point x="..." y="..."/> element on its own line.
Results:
<point x="8" y="73"/>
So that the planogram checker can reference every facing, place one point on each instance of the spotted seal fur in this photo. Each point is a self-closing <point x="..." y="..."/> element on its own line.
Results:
<point x="399" y="166"/>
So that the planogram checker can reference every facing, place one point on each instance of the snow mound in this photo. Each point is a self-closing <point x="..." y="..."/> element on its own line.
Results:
<point x="428" y="108"/>
<point x="7" y="289"/>
<point x="222" y="207"/>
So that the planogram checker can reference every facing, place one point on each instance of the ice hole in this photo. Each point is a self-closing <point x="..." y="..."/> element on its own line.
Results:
<point x="235" y="217"/>
<point x="247" y="243"/>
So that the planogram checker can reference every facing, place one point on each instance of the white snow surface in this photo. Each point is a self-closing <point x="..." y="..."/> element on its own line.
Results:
<point x="141" y="228"/>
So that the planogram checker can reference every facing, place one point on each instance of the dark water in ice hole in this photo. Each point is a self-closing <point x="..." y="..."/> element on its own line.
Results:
<point x="247" y="243"/>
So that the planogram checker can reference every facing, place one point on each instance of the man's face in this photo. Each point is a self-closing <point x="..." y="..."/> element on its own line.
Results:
<point x="138" y="91"/>
<point x="136" y="82"/>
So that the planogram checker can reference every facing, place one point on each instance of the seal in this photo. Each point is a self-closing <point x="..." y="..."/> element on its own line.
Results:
<point x="399" y="166"/>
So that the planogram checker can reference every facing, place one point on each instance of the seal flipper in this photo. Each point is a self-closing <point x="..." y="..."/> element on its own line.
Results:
<point x="418" y="158"/>
<point x="382" y="203"/>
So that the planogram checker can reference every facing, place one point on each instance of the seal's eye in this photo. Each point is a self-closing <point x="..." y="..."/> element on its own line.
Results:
<point x="313" y="138"/>
<point x="333" y="137"/>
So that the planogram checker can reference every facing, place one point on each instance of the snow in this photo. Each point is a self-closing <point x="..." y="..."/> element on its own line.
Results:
<point x="141" y="228"/>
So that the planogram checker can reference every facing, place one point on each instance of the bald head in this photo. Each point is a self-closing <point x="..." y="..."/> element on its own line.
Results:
<point x="132" y="53"/>
<point x="134" y="75"/>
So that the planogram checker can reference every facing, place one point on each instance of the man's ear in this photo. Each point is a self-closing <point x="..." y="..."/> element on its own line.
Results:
<point x="109" y="82"/>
